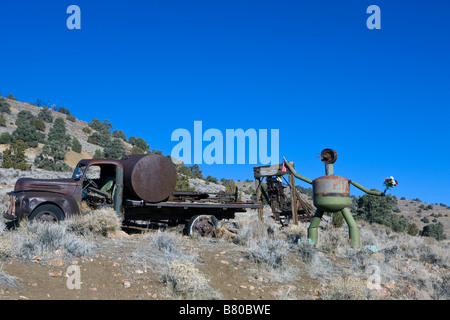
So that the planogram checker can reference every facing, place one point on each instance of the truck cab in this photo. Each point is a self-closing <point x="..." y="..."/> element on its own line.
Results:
<point x="94" y="182"/>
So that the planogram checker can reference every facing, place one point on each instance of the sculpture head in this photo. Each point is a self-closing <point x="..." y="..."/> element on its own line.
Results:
<point x="328" y="156"/>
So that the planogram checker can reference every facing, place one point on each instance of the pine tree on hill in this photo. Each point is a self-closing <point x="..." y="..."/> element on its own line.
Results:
<point x="53" y="154"/>
<point x="14" y="156"/>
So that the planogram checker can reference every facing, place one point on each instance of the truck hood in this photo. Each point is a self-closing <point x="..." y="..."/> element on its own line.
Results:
<point x="64" y="186"/>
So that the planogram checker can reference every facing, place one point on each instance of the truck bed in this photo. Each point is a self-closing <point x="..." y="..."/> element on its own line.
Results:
<point x="183" y="210"/>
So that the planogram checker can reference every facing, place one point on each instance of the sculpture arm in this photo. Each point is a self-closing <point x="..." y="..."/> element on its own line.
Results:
<point x="295" y="173"/>
<point x="375" y="193"/>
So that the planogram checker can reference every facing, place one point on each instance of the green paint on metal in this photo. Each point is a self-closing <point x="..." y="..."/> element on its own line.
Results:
<point x="332" y="194"/>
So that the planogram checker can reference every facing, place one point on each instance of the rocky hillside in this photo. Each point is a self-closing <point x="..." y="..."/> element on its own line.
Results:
<point x="74" y="129"/>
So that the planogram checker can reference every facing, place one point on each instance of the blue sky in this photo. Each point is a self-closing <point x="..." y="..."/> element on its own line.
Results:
<point x="311" y="69"/>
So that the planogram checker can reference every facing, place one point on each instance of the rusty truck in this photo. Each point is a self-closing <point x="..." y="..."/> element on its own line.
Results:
<point x="137" y="187"/>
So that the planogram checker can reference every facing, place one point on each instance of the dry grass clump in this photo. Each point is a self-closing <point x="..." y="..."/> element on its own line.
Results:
<point x="46" y="241"/>
<point x="252" y="229"/>
<point x="268" y="252"/>
<point x="159" y="248"/>
<point x="333" y="240"/>
<point x="185" y="281"/>
<point x="166" y="253"/>
<point x="100" y="222"/>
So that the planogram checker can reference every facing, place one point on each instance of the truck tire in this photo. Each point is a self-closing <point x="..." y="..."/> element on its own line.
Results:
<point x="201" y="225"/>
<point x="47" y="213"/>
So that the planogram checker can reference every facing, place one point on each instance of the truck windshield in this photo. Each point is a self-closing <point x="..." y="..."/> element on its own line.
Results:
<point x="79" y="171"/>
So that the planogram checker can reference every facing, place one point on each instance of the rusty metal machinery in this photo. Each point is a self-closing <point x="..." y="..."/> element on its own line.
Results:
<point x="282" y="204"/>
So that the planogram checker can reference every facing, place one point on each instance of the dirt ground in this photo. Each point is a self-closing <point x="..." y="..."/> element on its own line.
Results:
<point x="109" y="275"/>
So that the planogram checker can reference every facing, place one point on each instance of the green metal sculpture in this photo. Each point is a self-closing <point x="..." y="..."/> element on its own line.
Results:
<point x="331" y="193"/>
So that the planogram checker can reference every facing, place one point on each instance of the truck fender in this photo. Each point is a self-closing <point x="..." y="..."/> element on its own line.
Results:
<point x="30" y="201"/>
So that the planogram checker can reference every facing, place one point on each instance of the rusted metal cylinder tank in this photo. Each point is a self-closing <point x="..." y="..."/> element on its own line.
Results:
<point x="149" y="177"/>
<point x="331" y="193"/>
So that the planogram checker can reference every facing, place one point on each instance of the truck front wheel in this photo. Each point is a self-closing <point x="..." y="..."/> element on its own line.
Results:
<point x="47" y="213"/>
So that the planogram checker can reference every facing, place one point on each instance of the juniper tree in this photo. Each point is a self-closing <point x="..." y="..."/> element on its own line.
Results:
<point x="4" y="106"/>
<point x="52" y="157"/>
<point x="5" y="138"/>
<point x="45" y="114"/>
<point x="28" y="133"/>
<point x="76" y="145"/>
<point x="375" y="209"/>
<point x="58" y="132"/>
<point x="53" y="154"/>
<point x="114" y="149"/>
<point x="119" y="134"/>
<point x="14" y="156"/>
<point x="139" y="142"/>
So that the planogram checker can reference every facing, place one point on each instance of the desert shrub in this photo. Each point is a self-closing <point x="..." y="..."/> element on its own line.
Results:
<point x="49" y="241"/>
<point x="104" y="221"/>
<point x="376" y="209"/>
<point x="2" y="120"/>
<point x="338" y="219"/>
<point x="250" y="230"/>
<point x="183" y="183"/>
<point x="183" y="169"/>
<point x="307" y="252"/>
<point x="5" y="138"/>
<point x="64" y="110"/>
<point x="230" y="187"/>
<point x="11" y="97"/>
<point x="159" y="248"/>
<point x="413" y="230"/>
<point x="268" y="252"/>
<point x="435" y="231"/>
<point x="101" y="222"/>
<point x="39" y="124"/>
<point x="212" y="179"/>
<point x="185" y="281"/>
<point x="137" y="150"/>
<point x="76" y="145"/>
<point x="441" y="288"/>
<point x="98" y="154"/>
<point x="333" y="240"/>
<point x="87" y="130"/>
